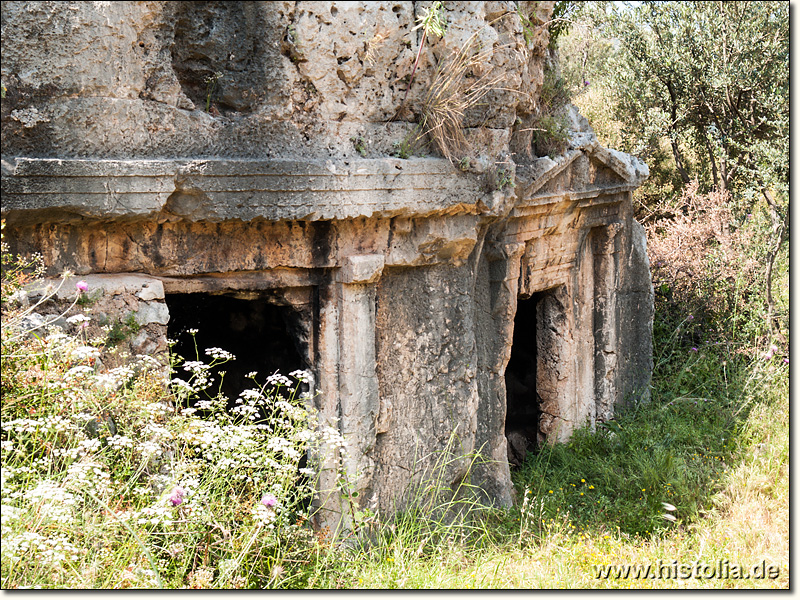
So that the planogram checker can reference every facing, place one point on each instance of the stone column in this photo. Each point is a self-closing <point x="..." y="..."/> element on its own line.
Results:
<point x="495" y="339"/>
<point x="359" y="401"/>
<point x="555" y="373"/>
<point x="605" y="326"/>
<point x="329" y="505"/>
<point x="583" y="318"/>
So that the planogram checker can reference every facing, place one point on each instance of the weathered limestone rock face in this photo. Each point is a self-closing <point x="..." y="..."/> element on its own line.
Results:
<point x="132" y="303"/>
<point x="245" y="151"/>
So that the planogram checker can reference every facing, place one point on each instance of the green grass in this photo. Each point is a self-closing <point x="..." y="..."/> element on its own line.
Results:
<point x="597" y="500"/>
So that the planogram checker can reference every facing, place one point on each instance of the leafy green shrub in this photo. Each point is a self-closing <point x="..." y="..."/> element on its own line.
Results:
<point x="550" y="136"/>
<point x="547" y="132"/>
<point x="121" y="329"/>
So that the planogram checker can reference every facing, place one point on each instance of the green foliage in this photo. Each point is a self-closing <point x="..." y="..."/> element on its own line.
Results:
<point x="528" y="27"/>
<point x="433" y="20"/>
<point x="564" y="12"/>
<point x="120" y="330"/>
<point x="497" y="178"/>
<point x="126" y="488"/>
<point x="553" y="95"/>
<point x="88" y="299"/>
<point x="699" y="91"/>
<point x="547" y="133"/>
<point x="504" y="179"/>
<point x="550" y="135"/>
<point x="114" y="480"/>
<point x="16" y="271"/>
<point x="403" y="149"/>
<point x="700" y="86"/>
<point x="360" y="144"/>
<point x="671" y="450"/>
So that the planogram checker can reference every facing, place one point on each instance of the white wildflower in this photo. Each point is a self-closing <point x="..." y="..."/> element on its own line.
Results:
<point x="277" y="379"/>
<point x="251" y="394"/>
<point x="78" y="372"/>
<point x="220" y="354"/>
<point x="302" y="375"/>
<point x="84" y="353"/>
<point x="75" y="319"/>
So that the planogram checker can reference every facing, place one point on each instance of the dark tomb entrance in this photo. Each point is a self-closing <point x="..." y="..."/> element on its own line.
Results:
<point x="522" y="399"/>
<point x="263" y="336"/>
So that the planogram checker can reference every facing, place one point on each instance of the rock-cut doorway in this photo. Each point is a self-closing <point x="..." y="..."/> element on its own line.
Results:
<point x="264" y="336"/>
<point x="523" y="402"/>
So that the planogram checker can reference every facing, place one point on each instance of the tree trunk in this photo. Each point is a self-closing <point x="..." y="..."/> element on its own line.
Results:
<point x="678" y="162"/>
<point x="673" y="138"/>
<point x="714" y="172"/>
<point x="779" y="229"/>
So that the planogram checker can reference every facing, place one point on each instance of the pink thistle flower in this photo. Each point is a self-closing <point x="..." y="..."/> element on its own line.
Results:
<point x="82" y="286"/>
<point x="176" y="495"/>
<point x="269" y="500"/>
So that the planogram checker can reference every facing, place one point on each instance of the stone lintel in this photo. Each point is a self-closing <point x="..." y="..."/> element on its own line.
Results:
<point x="590" y="196"/>
<point x="241" y="281"/>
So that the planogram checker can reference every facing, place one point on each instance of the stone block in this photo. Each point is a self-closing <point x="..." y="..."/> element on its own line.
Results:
<point x="361" y="269"/>
<point x="152" y="312"/>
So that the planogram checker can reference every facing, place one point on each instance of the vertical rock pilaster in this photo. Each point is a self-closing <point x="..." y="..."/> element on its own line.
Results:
<point x="359" y="399"/>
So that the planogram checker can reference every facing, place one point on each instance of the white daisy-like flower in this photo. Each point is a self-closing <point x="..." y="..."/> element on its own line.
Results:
<point x="75" y="319"/>
<point x="220" y="354"/>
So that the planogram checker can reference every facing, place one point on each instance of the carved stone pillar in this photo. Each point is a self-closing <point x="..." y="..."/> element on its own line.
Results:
<point x="359" y="400"/>
<point x="606" y="324"/>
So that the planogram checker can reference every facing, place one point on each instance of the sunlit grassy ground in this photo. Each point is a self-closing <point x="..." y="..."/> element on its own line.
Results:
<point x="605" y="509"/>
<point x="732" y="504"/>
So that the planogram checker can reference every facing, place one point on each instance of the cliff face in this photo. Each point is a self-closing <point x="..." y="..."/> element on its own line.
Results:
<point x="281" y="154"/>
<point x="249" y="79"/>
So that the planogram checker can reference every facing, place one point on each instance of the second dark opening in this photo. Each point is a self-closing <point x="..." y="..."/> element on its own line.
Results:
<point x="522" y="399"/>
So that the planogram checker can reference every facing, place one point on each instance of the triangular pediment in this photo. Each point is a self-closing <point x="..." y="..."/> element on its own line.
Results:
<point x="581" y="171"/>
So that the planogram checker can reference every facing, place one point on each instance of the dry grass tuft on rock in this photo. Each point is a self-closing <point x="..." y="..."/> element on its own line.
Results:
<point x="461" y="82"/>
